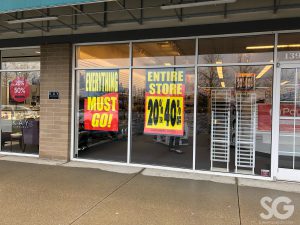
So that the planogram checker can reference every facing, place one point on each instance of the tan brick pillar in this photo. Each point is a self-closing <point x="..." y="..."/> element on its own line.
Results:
<point x="55" y="119"/>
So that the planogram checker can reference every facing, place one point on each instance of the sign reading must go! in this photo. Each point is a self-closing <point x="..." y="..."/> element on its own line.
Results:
<point x="164" y="101"/>
<point x="101" y="105"/>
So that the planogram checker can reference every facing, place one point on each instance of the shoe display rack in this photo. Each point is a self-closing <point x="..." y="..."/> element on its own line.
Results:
<point x="220" y="127"/>
<point x="245" y="131"/>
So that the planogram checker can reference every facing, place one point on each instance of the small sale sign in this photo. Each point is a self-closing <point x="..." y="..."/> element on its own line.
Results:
<point x="19" y="89"/>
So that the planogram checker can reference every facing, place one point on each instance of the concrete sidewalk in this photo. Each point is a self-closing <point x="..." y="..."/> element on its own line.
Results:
<point x="59" y="193"/>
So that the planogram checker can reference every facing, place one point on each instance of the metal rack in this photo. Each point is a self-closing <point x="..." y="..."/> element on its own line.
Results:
<point x="245" y="131"/>
<point x="220" y="127"/>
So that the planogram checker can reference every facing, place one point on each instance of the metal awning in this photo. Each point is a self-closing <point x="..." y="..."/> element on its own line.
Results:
<point x="32" y="18"/>
<point x="9" y="6"/>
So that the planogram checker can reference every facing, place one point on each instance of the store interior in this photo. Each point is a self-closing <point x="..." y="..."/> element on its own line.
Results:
<point x="20" y="100"/>
<point x="155" y="149"/>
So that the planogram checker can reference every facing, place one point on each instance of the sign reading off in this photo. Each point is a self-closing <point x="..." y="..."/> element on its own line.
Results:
<point x="22" y="5"/>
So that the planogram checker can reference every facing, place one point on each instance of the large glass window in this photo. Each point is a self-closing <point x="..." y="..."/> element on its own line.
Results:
<point x="164" y="53"/>
<point x="102" y="102"/>
<point x="236" y="49"/>
<point x="162" y="116"/>
<point x="234" y="120"/>
<point x="234" y="103"/>
<point x="288" y="47"/>
<point x="102" y="114"/>
<point x="94" y="56"/>
<point x="20" y="100"/>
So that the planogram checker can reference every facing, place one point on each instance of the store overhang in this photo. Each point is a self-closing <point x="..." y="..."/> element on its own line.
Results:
<point x="95" y="20"/>
<point x="158" y="33"/>
<point x="9" y="6"/>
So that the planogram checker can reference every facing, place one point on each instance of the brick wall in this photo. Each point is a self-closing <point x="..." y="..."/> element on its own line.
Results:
<point x="55" y="119"/>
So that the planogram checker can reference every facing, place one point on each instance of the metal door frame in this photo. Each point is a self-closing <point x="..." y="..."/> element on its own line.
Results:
<point x="281" y="173"/>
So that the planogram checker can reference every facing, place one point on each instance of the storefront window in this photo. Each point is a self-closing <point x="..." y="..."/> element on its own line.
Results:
<point x="234" y="103"/>
<point x="21" y="59"/>
<point x="288" y="47"/>
<point x="289" y="122"/>
<point x="94" y="56"/>
<point x="234" y="120"/>
<point x="164" y="53"/>
<point x="162" y="116"/>
<point x="20" y="101"/>
<point x="236" y="49"/>
<point x="102" y="116"/>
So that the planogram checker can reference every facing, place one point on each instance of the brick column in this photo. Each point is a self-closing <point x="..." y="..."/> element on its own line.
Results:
<point x="55" y="115"/>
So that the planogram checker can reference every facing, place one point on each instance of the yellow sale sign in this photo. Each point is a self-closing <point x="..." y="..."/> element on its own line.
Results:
<point x="164" y="115"/>
<point x="164" y="102"/>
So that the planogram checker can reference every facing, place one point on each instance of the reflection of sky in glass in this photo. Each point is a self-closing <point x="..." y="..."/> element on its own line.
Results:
<point x="236" y="58"/>
<point x="21" y="65"/>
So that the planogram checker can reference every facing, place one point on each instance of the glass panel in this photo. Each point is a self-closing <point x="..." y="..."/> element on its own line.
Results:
<point x="20" y="112"/>
<point x="285" y="161"/>
<point x="162" y="131"/>
<point x="288" y="47"/>
<point x="289" y="122"/>
<point x="102" y="114"/>
<point x="21" y="59"/>
<point x="164" y="53"/>
<point x="297" y="149"/>
<point x="236" y="49"/>
<point x="240" y="85"/>
<point x="286" y="149"/>
<point x="93" y="56"/>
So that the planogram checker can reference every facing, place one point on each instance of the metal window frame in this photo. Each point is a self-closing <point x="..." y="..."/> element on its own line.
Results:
<point x="289" y="174"/>
<point x="275" y="118"/>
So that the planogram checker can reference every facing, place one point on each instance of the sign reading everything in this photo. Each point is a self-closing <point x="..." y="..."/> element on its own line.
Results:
<point x="164" y="101"/>
<point x="101" y="105"/>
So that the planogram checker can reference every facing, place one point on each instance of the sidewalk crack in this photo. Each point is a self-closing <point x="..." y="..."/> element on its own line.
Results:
<point x="107" y="196"/>
<point x="238" y="199"/>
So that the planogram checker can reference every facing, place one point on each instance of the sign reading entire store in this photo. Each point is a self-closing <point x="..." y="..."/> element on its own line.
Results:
<point x="101" y="104"/>
<point x="164" y="101"/>
<point x="22" y="5"/>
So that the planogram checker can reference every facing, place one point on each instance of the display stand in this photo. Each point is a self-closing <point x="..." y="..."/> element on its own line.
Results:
<point x="220" y="127"/>
<point x="245" y="131"/>
<point x="164" y="139"/>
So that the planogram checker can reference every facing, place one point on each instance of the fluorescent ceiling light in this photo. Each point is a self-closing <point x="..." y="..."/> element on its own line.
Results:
<point x="220" y="70"/>
<point x="223" y="84"/>
<point x="196" y="4"/>
<point x="167" y="64"/>
<point x="284" y="82"/>
<point x="272" y="46"/>
<point x="264" y="71"/>
<point x="31" y="20"/>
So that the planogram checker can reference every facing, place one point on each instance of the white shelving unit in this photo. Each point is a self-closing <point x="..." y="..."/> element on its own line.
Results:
<point x="220" y="127"/>
<point x="245" y="131"/>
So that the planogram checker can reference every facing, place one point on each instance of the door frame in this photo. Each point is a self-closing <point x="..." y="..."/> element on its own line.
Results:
<point x="280" y="173"/>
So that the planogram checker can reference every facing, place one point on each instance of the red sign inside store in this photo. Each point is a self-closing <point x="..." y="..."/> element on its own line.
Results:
<point x="19" y="89"/>
<point x="286" y="110"/>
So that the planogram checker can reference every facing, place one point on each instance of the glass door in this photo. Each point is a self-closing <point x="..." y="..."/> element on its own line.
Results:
<point x="20" y="112"/>
<point x="20" y="100"/>
<point x="289" y="124"/>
